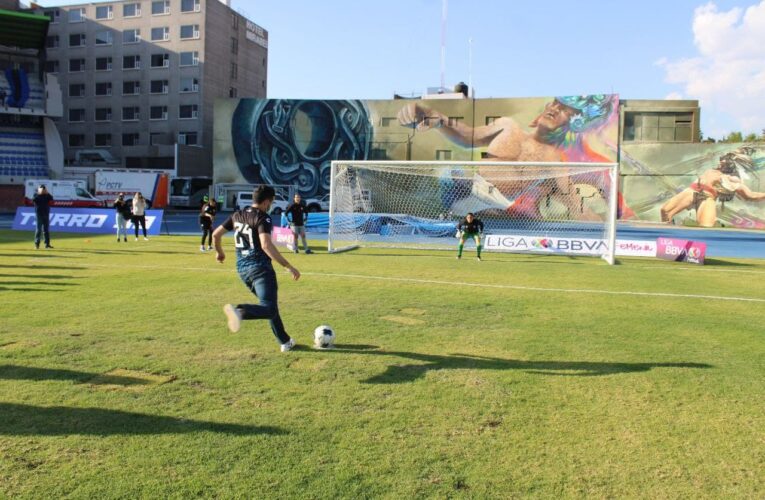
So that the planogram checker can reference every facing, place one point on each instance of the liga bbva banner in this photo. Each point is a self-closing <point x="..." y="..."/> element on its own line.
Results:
<point x="83" y="220"/>
<point x="581" y="246"/>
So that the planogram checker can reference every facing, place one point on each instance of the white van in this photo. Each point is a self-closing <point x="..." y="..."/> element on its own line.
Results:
<point x="244" y="199"/>
<point x="65" y="193"/>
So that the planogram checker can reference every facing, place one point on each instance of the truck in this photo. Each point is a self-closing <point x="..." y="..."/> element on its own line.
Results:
<point x="153" y="186"/>
<point x="65" y="193"/>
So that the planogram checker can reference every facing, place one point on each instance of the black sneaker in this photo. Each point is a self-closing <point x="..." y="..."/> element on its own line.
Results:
<point x="48" y="246"/>
<point x="308" y="251"/>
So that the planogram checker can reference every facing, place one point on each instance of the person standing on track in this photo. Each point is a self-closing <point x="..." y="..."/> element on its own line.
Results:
<point x="139" y="214"/>
<point x="297" y="216"/>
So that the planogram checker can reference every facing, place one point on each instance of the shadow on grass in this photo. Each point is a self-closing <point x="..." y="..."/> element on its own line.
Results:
<point x="15" y="372"/>
<point x="28" y="420"/>
<point x="31" y="281"/>
<point x="409" y="372"/>
<point x="726" y="263"/>
<point x="36" y="268"/>
<point x="39" y="276"/>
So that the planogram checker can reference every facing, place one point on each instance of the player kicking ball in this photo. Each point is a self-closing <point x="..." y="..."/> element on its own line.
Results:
<point x="254" y="252"/>
<point x="470" y="228"/>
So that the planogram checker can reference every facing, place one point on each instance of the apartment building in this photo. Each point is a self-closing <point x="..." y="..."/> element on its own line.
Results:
<point x="140" y="76"/>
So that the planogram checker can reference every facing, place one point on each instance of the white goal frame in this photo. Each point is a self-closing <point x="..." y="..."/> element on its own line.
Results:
<point x="610" y="220"/>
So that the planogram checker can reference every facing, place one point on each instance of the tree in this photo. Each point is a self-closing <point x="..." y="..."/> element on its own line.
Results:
<point x="734" y="137"/>
<point x="751" y="137"/>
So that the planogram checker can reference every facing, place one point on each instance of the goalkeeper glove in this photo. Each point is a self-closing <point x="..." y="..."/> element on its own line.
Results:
<point x="459" y="234"/>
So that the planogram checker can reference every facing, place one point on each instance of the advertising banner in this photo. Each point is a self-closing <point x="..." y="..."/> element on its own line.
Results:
<point x="83" y="220"/>
<point x="282" y="236"/>
<point x="581" y="246"/>
<point x="681" y="250"/>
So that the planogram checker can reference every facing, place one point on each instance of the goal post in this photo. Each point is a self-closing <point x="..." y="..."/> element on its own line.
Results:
<point x="537" y="207"/>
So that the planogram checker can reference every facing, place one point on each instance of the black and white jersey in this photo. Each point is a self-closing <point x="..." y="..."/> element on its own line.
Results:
<point x="473" y="227"/>
<point x="248" y="224"/>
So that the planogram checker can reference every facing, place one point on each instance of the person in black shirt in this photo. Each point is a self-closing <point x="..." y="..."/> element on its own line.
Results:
<point x="297" y="215"/>
<point x="254" y="251"/>
<point x="42" y="200"/>
<point x="123" y="214"/>
<point x="470" y="228"/>
<point x="206" y="218"/>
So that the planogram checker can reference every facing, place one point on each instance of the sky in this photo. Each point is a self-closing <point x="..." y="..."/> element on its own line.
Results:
<point x="650" y="49"/>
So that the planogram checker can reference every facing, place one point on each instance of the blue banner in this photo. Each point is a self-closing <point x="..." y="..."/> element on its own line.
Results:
<point x="83" y="220"/>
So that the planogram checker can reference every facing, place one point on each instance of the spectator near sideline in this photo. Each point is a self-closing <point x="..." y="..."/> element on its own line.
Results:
<point x="206" y="219"/>
<point x="42" y="200"/>
<point x="122" y="211"/>
<point x="297" y="215"/>
<point x="139" y="214"/>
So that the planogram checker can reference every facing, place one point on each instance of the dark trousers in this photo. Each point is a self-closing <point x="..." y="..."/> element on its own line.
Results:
<point x="42" y="229"/>
<point x="207" y="233"/>
<point x="262" y="282"/>
<point x="139" y="219"/>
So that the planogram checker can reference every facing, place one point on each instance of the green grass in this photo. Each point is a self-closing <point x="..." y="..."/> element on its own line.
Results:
<point x="118" y="377"/>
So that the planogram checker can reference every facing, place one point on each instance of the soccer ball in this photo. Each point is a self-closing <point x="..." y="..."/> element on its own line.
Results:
<point x="324" y="337"/>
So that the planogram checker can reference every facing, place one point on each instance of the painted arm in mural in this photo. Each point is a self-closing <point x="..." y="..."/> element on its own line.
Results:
<point x="747" y="194"/>
<point x="424" y="118"/>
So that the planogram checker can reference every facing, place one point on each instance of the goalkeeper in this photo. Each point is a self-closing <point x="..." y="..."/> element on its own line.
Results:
<point x="470" y="228"/>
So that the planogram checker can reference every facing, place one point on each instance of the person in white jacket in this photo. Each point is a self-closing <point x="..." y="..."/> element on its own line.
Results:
<point x="139" y="214"/>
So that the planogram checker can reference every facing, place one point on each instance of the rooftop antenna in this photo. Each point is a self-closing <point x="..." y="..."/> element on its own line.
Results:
<point x="443" y="44"/>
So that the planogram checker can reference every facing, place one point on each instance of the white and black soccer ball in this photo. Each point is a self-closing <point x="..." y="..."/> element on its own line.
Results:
<point x="324" y="337"/>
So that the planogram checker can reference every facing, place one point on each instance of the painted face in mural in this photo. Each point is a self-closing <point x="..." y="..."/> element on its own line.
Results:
<point x="553" y="117"/>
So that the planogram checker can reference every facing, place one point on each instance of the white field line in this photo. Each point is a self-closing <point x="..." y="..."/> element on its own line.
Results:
<point x="703" y="269"/>
<point x="468" y="284"/>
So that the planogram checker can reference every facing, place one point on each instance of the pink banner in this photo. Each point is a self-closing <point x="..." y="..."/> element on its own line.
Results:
<point x="681" y="250"/>
<point x="282" y="236"/>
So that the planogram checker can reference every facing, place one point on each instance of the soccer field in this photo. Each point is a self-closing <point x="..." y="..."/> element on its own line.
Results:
<point x="521" y="375"/>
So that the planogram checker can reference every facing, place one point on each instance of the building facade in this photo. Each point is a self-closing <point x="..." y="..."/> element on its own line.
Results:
<point x="140" y="76"/>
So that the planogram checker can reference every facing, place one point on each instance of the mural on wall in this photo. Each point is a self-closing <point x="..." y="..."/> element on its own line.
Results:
<point x="282" y="141"/>
<point x="704" y="185"/>
<point x="292" y="142"/>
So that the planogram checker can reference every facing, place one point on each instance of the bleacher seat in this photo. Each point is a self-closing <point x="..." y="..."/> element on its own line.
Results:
<point x="22" y="153"/>
<point x="36" y="91"/>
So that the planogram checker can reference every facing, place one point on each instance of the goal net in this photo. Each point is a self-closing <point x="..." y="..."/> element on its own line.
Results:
<point x="564" y="208"/>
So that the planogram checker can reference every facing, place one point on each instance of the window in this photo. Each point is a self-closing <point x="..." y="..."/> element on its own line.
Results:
<point x="232" y="92"/>
<point x="158" y="87"/>
<point x="53" y="15"/>
<point x="104" y="12"/>
<point x="158" y="113"/>
<point x="658" y="127"/>
<point x="234" y="45"/>
<point x="190" y="6"/>
<point x="160" y="34"/>
<point x="187" y="138"/>
<point x="104" y="37"/>
<point x="131" y="139"/>
<point x="190" y="58"/>
<point x="103" y="114"/>
<point x="77" y="40"/>
<point x="131" y="113"/>
<point x="76" y="115"/>
<point x="387" y="121"/>
<point x="455" y="120"/>
<point x="103" y="88"/>
<point x="188" y="111"/>
<point x="76" y="90"/>
<point x="76" y="140"/>
<point x="131" y="62"/>
<point x="443" y="154"/>
<point x="160" y="7"/>
<point x="51" y="66"/>
<point x="77" y="15"/>
<point x="234" y="21"/>
<point x="103" y="63"/>
<point x="234" y="71"/>
<point x="131" y="36"/>
<point x="51" y="42"/>
<point x="131" y="88"/>
<point x="103" y="140"/>
<point x="491" y="119"/>
<point x="264" y="62"/>
<point x="160" y="60"/>
<point x="189" y="31"/>
<point x="131" y="10"/>
<point x="189" y="84"/>
<point x="76" y="65"/>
